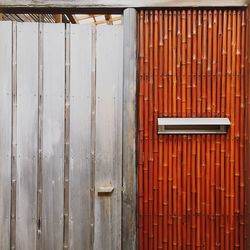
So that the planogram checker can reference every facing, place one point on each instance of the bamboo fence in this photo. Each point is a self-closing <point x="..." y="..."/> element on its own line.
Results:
<point x="191" y="187"/>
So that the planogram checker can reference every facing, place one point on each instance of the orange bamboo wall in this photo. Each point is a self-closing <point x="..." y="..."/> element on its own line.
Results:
<point x="191" y="187"/>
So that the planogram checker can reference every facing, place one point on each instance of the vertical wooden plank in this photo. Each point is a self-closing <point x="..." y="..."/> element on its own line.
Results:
<point x="5" y="132"/>
<point x="66" y="141"/>
<point x="40" y="137"/>
<point x="27" y="128"/>
<point x="53" y="136"/>
<point x="93" y="133"/>
<point x="108" y="169"/>
<point x="129" y="131"/>
<point x="80" y="133"/>
<point x="14" y="138"/>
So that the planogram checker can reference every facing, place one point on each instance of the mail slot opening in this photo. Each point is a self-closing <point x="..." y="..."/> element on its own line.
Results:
<point x="193" y="125"/>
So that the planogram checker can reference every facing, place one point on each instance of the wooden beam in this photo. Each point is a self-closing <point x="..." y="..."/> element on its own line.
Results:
<point x="129" y="132"/>
<point x="121" y="4"/>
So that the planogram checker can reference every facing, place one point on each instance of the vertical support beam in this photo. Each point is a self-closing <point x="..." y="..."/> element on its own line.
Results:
<point x="66" y="140"/>
<point x="129" y="132"/>
<point x="14" y="138"/>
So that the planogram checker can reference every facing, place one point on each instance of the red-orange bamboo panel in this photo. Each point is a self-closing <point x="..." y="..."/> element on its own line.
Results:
<point x="191" y="187"/>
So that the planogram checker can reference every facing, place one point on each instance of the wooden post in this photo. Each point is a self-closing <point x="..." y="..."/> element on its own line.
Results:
<point x="129" y="132"/>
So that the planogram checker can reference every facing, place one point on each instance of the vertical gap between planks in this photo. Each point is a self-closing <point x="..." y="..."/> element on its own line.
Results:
<point x="93" y="133"/>
<point x="66" y="140"/>
<point x="40" y="138"/>
<point x="14" y="137"/>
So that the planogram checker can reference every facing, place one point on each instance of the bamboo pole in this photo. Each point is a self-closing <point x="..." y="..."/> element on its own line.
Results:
<point x="198" y="114"/>
<point x="140" y="158"/>
<point x="209" y="163"/>
<point x="174" y="161"/>
<point x="155" y="219"/>
<point x="170" y="173"/>
<point x="178" y="201"/>
<point x="218" y="160"/>
<point x="151" y="127"/>
<point x="205" y="147"/>
<point x="180" y="219"/>
<point x="191" y="168"/>
<point x="204" y="63"/>
<point x="189" y="63"/>
<point x="214" y="159"/>
<point x="242" y="129"/>
<point x="146" y="114"/>
<point x="175" y="139"/>
<point x="166" y="139"/>
<point x="183" y="114"/>
<point x="232" y="130"/>
<point x="223" y="137"/>
<point x="178" y="65"/>
<point x="228" y="104"/>
<point x="237" y="128"/>
<point x="160" y="91"/>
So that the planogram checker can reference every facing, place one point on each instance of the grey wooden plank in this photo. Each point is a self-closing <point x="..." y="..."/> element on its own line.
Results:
<point x="40" y="137"/>
<point x="66" y="140"/>
<point x="5" y="132"/>
<point x="129" y="132"/>
<point x="80" y="132"/>
<point x="53" y="136"/>
<point x="27" y="126"/>
<point x="102" y="4"/>
<point x="14" y="138"/>
<point x="93" y="132"/>
<point x="108" y="169"/>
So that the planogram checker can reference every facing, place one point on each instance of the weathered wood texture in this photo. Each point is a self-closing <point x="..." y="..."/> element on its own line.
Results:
<point x="108" y="154"/>
<point x="191" y="187"/>
<point x="80" y="135"/>
<point x="55" y="153"/>
<point x="129" y="131"/>
<point x="117" y="4"/>
<point x="27" y="134"/>
<point x="5" y="133"/>
<point x="53" y="135"/>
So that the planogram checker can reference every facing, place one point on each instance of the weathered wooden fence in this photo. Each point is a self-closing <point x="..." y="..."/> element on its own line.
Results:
<point x="61" y="114"/>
